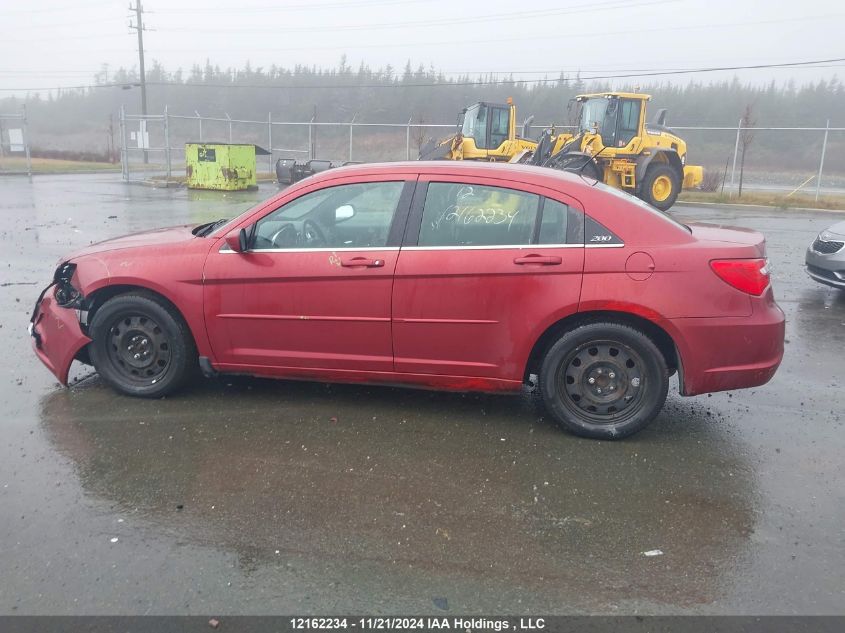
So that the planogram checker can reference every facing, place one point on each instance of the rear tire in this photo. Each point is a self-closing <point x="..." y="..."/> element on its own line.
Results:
<point x="661" y="186"/>
<point x="603" y="381"/>
<point x="141" y="346"/>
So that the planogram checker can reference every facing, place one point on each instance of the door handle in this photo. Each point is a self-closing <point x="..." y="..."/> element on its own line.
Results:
<point x="541" y="260"/>
<point x="363" y="262"/>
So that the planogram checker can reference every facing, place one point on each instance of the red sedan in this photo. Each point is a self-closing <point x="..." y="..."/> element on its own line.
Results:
<point x="460" y="276"/>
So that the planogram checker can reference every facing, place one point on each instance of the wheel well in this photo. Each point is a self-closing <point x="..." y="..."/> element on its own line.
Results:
<point x="668" y="158"/>
<point x="95" y="301"/>
<point x="657" y="334"/>
<point x="660" y="157"/>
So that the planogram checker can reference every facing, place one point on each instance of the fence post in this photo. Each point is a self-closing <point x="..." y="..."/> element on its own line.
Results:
<point x="199" y="118"/>
<point x="26" y="142"/>
<point x="230" y="126"/>
<point x="351" y="123"/>
<point x="167" y="142"/>
<point x="270" y="140"/>
<point x="736" y="151"/>
<point x="408" y="140"/>
<point x="124" y="158"/>
<point x="821" y="162"/>
<point x="311" y="138"/>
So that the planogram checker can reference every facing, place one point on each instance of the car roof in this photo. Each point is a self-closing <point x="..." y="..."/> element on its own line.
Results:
<point x="528" y="174"/>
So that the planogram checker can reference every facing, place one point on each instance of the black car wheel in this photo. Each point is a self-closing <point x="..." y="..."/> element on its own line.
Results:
<point x="141" y="346"/>
<point x="604" y="380"/>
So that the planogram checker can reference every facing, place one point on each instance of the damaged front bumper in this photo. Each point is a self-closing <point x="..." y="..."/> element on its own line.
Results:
<point x="56" y="334"/>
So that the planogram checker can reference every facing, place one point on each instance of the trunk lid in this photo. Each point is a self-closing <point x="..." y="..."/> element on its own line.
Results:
<point x="723" y="234"/>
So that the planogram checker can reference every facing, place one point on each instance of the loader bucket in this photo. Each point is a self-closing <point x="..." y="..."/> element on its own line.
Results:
<point x="432" y="151"/>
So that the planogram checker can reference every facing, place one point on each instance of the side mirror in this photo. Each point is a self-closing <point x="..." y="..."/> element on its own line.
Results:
<point x="344" y="212"/>
<point x="238" y="241"/>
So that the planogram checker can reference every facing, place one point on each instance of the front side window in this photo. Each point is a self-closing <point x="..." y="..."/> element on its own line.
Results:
<point x="629" y="121"/>
<point x="346" y="216"/>
<point x="607" y="127"/>
<point x="457" y="214"/>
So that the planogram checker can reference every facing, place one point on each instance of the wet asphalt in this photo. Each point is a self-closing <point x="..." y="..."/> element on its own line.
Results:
<point x="257" y="496"/>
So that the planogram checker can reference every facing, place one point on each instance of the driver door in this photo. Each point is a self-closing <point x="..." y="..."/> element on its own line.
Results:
<point x="313" y="290"/>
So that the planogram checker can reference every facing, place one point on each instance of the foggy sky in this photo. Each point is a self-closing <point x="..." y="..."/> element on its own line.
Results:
<point x="47" y="43"/>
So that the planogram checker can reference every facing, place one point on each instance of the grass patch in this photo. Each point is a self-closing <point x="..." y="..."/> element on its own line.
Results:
<point x="769" y="199"/>
<point x="53" y="165"/>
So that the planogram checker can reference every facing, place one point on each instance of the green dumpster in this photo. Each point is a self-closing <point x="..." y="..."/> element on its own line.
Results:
<point x="222" y="166"/>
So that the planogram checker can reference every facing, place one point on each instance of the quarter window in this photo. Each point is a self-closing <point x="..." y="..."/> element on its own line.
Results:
<point x="555" y="222"/>
<point x="458" y="214"/>
<point x="346" y="216"/>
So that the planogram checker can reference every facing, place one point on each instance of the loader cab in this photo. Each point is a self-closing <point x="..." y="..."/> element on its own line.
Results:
<point x="487" y="124"/>
<point x="617" y="118"/>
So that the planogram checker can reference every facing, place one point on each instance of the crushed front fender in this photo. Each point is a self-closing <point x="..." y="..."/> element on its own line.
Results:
<point x="56" y="336"/>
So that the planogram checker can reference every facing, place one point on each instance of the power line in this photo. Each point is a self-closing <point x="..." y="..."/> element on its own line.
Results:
<point x="136" y="82"/>
<point x="494" y="17"/>
<point x="52" y="73"/>
<point x="62" y="25"/>
<point x="64" y="38"/>
<point x="292" y="7"/>
<point x="498" y="40"/>
<point x="505" y="82"/>
<point x="64" y="7"/>
<point x="627" y="75"/>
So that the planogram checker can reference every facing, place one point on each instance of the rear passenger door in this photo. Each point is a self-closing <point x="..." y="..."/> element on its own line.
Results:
<point x="484" y="268"/>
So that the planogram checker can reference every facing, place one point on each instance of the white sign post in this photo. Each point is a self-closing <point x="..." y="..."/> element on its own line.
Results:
<point x="16" y="143"/>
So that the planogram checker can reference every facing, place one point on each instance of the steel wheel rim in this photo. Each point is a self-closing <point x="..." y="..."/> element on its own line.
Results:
<point x="138" y="349"/>
<point x="602" y="381"/>
<point x="661" y="188"/>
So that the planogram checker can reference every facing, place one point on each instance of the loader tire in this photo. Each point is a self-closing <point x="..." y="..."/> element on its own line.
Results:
<point x="661" y="186"/>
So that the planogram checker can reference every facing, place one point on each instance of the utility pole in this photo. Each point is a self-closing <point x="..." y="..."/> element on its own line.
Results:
<point x="139" y="26"/>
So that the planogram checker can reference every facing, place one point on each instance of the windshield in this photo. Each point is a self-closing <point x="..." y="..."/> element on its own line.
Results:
<point x="207" y="228"/>
<point x="475" y="124"/>
<point x="592" y="114"/>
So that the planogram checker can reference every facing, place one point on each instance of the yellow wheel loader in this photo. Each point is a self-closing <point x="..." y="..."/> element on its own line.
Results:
<point x="486" y="131"/>
<point x="612" y="143"/>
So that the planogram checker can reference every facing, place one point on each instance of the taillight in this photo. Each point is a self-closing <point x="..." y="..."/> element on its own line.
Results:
<point x="748" y="275"/>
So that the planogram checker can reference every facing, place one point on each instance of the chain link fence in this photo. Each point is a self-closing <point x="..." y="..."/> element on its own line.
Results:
<point x="785" y="160"/>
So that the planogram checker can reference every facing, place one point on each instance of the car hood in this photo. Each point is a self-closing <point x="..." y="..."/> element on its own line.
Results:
<point x="837" y="229"/>
<point x="156" y="237"/>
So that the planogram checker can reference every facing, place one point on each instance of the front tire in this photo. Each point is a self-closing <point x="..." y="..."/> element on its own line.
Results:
<point x="141" y="346"/>
<point x="604" y="381"/>
<point x="661" y="186"/>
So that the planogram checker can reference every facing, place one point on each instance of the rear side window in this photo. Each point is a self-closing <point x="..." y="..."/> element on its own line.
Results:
<point x="498" y="127"/>
<point x="457" y="214"/>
